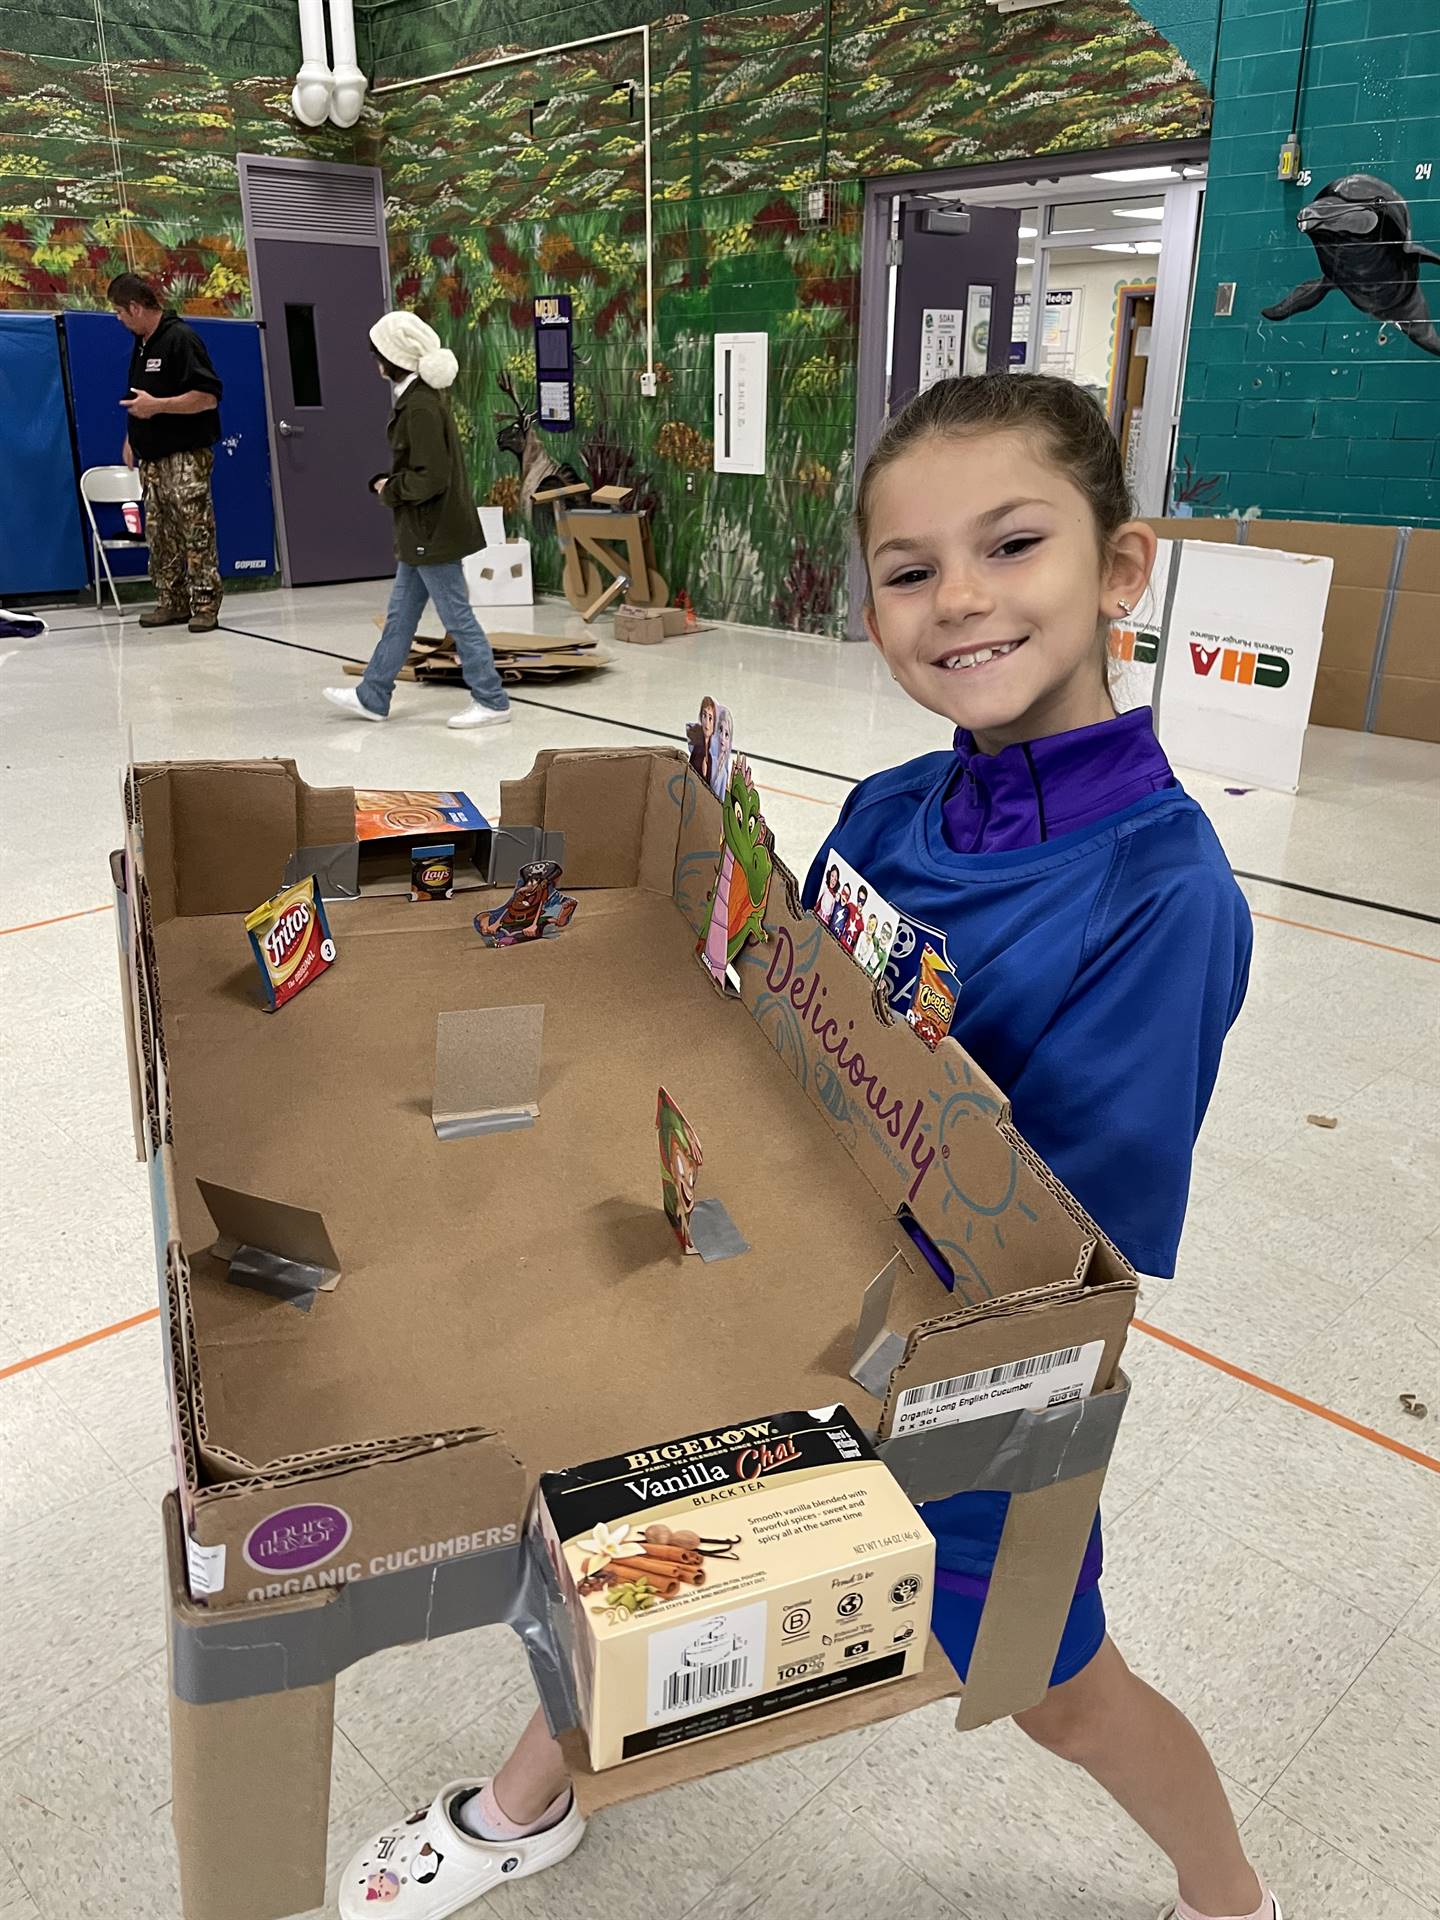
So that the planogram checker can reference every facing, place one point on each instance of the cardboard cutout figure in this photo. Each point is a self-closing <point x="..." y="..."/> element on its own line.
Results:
<point x="680" y="1162"/>
<point x="701" y="735"/>
<point x="536" y="910"/>
<point x="722" y="752"/>
<point x="737" y="903"/>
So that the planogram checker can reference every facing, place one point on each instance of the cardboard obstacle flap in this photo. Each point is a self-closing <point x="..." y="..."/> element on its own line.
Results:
<point x="413" y="1256"/>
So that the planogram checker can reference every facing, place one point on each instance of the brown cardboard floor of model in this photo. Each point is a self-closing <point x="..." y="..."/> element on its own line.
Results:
<point x="528" y="1282"/>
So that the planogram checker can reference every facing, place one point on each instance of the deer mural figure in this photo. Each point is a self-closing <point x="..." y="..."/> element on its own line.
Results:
<point x="520" y="436"/>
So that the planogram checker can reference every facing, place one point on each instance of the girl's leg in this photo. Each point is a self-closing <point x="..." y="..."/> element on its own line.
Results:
<point x="446" y="587"/>
<point x="534" y="1775"/>
<point x="1149" y="1758"/>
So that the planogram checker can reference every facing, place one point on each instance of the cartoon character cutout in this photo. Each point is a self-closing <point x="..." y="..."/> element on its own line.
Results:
<point x="722" y="753"/>
<point x="681" y="1159"/>
<point x="536" y="910"/>
<point x="829" y="894"/>
<point x="701" y="735"/>
<point x="382" y="1887"/>
<point x="736" y="908"/>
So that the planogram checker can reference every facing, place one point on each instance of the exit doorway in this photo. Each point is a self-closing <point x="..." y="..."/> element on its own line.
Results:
<point x="1097" y="290"/>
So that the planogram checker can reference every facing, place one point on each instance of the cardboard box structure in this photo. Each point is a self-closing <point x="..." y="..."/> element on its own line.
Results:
<point x="357" y="1473"/>
<point x="499" y="575"/>
<point x="1379" y="669"/>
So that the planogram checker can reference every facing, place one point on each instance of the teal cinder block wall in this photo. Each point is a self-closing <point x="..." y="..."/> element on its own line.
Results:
<point x="1317" y="416"/>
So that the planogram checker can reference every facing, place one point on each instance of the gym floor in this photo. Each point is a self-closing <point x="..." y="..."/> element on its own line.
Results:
<point x="1273" y="1514"/>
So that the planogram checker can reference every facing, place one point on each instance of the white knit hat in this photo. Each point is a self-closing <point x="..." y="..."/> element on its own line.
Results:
<point x="405" y="340"/>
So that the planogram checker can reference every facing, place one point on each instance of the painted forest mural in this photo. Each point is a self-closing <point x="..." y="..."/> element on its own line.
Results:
<point x="528" y="179"/>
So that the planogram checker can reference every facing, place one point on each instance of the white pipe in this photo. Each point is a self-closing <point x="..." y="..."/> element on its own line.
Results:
<point x="310" y="98"/>
<point x="350" y="85"/>
<point x="569" y="46"/>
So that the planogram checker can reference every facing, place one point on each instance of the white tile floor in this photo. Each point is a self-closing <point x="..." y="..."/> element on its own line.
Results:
<point x="1277" y="1574"/>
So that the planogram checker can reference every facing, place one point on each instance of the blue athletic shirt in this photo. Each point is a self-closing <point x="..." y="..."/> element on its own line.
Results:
<point x="1100" y="972"/>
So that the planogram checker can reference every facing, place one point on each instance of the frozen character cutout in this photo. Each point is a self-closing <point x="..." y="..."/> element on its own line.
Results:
<point x="829" y="893"/>
<point x="737" y="903"/>
<point x="701" y="735"/>
<point x="534" y="911"/>
<point x="722" y="753"/>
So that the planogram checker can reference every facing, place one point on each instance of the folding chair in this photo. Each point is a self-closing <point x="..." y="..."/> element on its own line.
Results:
<point x="109" y="487"/>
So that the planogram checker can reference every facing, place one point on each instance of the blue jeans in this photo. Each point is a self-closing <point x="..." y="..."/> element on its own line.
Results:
<point x="444" y="587"/>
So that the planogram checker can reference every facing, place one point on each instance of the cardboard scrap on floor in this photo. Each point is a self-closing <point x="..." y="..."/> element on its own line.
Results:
<point x="518" y="656"/>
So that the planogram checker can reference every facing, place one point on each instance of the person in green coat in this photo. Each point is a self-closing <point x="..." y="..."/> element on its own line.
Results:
<point x="436" y="525"/>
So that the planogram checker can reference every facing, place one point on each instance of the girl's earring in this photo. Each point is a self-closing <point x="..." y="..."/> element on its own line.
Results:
<point x="1125" y="607"/>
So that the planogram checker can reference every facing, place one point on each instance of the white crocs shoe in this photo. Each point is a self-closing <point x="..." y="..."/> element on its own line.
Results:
<point x="427" y="1866"/>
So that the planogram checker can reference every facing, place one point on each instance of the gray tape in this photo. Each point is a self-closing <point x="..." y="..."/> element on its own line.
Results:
<point x="466" y="1126"/>
<point x="233" y="1657"/>
<point x="1382" y="634"/>
<point x="514" y="847"/>
<point x="713" y="1234"/>
<point x="1017" y="1452"/>
<point x="293" y="1280"/>
<point x="336" y="868"/>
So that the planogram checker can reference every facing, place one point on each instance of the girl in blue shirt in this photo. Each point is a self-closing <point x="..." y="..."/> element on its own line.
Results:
<point x="1082" y="899"/>
<point x="1102" y="946"/>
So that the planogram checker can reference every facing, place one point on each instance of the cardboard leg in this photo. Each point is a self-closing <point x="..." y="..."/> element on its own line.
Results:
<point x="251" y="1780"/>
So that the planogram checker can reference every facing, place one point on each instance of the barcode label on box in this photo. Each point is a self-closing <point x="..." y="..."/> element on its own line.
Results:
<point x="705" y="1663"/>
<point x="1042" y="1380"/>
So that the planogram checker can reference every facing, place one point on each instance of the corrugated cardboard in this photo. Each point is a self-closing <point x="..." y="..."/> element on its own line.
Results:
<point x="489" y="1282"/>
<point x="640" y="626"/>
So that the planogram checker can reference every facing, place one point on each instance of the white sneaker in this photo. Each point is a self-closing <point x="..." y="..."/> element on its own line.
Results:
<point x="427" y="1866"/>
<point x="349" y="701"/>
<point x="477" y="716"/>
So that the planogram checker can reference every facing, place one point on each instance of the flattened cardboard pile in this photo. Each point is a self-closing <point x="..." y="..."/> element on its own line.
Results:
<point x="517" y="1302"/>
<point x="518" y="656"/>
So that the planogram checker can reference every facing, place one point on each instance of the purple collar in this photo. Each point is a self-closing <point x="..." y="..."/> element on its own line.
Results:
<point x="1039" y="789"/>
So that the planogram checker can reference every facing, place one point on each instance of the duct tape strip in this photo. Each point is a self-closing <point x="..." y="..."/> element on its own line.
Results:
<point x="1382" y="637"/>
<point x="1017" y="1452"/>
<point x="297" y="1281"/>
<point x="219" y="1656"/>
<point x="336" y="868"/>
<point x="512" y="848"/>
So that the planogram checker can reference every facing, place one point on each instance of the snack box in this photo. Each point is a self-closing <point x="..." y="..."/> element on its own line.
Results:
<point x="732" y="1576"/>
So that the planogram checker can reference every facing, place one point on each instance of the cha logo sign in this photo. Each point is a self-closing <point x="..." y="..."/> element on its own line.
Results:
<point x="1246" y="669"/>
<point x="297" y="1537"/>
<point x="1134" y="643"/>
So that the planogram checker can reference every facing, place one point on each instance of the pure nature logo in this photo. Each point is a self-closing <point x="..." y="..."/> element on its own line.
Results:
<point x="297" y="1537"/>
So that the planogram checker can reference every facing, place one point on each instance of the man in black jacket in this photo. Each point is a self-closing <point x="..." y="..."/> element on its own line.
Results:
<point x="174" y="421"/>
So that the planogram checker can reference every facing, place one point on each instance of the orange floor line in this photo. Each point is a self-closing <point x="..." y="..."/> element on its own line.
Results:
<point x="1357" y="939"/>
<point x="790" y="794"/>
<point x="74" y="1346"/>
<point x="84" y="913"/>
<point x="1290" y="1399"/>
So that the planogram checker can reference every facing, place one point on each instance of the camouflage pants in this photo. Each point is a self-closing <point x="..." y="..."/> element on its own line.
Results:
<point x="180" y="525"/>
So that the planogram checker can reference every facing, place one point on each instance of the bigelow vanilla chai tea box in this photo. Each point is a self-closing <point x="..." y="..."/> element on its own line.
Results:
<point x="731" y="1576"/>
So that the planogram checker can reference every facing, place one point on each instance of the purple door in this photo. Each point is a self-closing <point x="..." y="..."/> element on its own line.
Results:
<point x="316" y="236"/>
<point x="954" y="294"/>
